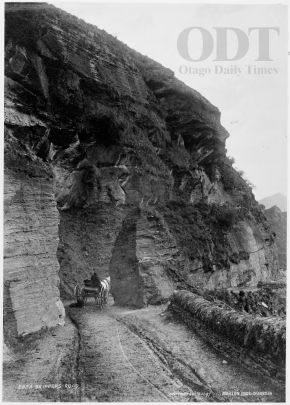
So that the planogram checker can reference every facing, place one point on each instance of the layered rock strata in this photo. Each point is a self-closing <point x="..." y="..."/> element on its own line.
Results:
<point x="140" y="174"/>
<point x="140" y="260"/>
<point x="31" y="280"/>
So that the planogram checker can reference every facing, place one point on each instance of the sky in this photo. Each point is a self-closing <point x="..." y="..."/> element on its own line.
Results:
<point x="253" y="105"/>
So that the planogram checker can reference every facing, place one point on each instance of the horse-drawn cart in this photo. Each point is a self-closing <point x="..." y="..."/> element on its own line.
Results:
<point x="100" y="294"/>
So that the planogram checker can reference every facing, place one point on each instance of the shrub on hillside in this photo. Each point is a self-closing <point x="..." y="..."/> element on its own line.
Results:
<point x="226" y="216"/>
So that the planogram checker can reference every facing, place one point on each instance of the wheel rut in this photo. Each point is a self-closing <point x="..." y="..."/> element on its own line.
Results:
<point x="123" y="355"/>
<point x="183" y="372"/>
<point x="78" y="369"/>
<point x="118" y="365"/>
<point x="145" y="356"/>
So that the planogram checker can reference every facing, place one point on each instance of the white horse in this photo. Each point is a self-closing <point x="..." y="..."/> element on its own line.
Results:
<point x="106" y="285"/>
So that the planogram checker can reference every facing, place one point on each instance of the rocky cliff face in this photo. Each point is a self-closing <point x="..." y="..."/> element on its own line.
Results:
<point x="137" y="162"/>
<point x="31" y="294"/>
<point x="278" y="222"/>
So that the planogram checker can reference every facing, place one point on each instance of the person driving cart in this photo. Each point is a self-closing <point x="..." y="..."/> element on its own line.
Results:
<point x="95" y="280"/>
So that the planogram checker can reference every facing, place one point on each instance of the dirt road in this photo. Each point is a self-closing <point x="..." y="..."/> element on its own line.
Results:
<point x="117" y="365"/>
<point x="147" y="355"/>
<point x="122" y="355"/>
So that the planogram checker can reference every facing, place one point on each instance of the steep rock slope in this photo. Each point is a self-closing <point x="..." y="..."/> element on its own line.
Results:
<point x="141" y="178"/>
<point x="278" y="222"/>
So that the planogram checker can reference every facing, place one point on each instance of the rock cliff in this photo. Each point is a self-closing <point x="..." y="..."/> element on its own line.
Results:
<point x="278" y="222"/>
<point x="138" y="166"/>
<point x="31" y="280"/>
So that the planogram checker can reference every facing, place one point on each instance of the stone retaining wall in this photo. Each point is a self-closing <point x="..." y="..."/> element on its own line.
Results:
<point x="263" y="340"/>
